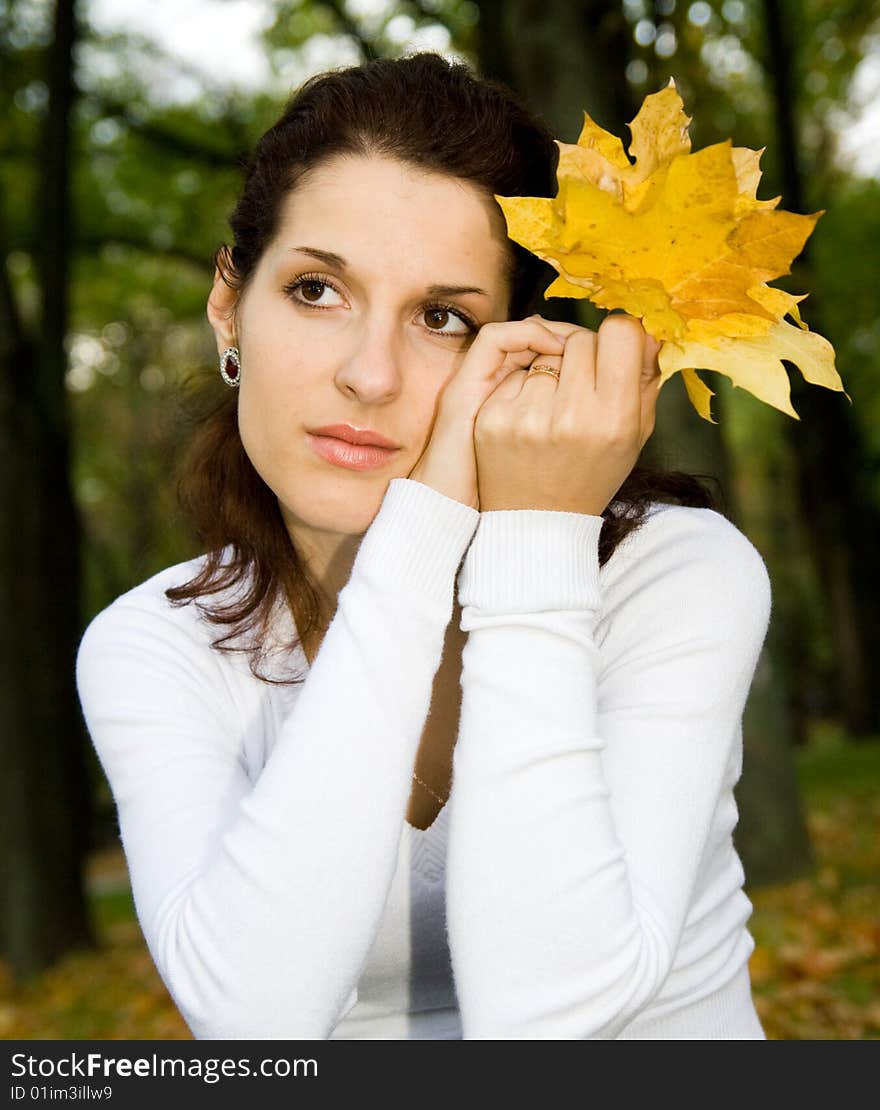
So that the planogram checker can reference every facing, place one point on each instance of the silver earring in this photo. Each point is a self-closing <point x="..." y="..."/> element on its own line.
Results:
<point x="230" y="366"/>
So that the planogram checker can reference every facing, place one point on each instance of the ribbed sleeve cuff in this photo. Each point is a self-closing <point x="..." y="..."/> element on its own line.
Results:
<point x="417" y="539"/>
<point x="527" y="560"/>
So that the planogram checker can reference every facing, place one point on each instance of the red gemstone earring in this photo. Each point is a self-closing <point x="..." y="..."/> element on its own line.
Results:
<point x="230" y="366"/>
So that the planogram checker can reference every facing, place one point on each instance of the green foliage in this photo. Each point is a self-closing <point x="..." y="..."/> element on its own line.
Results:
<point x="833" y="766"/>
<point x="846" y="252"/>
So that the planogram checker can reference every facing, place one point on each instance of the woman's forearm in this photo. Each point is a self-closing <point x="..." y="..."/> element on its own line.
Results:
<point x="260" y="900"/>
<point x="584" y="783"/>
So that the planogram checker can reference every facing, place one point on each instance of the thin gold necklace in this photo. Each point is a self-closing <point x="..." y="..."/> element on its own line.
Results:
<point x="442" y="801"/>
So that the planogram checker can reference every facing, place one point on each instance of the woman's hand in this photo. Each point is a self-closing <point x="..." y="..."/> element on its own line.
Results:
<point x="448" y="463"/>
<point x="570" y="446"/>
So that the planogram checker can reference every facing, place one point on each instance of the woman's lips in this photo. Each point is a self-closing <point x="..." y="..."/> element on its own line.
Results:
<point x="350" y="455"/>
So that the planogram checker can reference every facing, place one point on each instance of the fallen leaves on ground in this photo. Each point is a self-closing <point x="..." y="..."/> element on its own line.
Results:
<point x="112" y="993"/>
<point x="816" y="966"/>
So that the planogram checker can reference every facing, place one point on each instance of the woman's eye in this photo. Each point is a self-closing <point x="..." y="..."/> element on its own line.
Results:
<point x="309" y="290"/>
<point x="442" y="314"/>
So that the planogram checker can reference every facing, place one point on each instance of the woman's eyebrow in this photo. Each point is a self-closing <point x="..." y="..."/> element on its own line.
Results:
<point x="330" y="258"/>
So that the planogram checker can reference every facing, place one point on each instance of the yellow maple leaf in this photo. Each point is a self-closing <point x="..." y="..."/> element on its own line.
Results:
<point x="680" y="241"/>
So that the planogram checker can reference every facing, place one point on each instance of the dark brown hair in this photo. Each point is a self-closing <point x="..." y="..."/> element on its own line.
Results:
<point x="423" y="111"/>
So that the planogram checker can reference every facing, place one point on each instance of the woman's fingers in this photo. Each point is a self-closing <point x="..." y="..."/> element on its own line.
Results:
<point x="499" y="348"/>
<point x="512" y="345"/>
<point x="560" y="327"/>
<point x="577" y="378"/>
<point x="613" y="373"/>
<point x="650" y="364"/>
<point x="567" y="445"/>
<point x="650" y="388"/>
<point x="619" y="366"/>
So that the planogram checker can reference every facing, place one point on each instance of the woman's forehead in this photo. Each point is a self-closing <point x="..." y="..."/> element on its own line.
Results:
<point x="360" y="213"/>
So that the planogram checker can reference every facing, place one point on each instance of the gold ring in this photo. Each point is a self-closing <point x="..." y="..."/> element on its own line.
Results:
<point x="544" y="370"/>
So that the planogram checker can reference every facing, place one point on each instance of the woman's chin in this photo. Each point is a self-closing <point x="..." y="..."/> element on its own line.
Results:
<point x="346" y="513"/>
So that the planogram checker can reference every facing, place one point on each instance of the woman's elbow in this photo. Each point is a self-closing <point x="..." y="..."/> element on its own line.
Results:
<point x="593" y="1002"/>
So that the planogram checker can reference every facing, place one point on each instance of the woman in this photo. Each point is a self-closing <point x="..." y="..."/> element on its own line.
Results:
<point x="501" y="814"/>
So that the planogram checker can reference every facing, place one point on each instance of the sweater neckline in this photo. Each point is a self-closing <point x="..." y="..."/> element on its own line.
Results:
<point x="439" y="818"/>
<point x="427" y="848"/>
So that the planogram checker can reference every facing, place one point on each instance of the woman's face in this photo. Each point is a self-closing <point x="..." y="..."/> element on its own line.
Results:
<point x="361" y="340"/>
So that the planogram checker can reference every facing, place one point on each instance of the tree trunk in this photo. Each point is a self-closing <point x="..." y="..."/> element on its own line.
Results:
<point x="44" y="811"/>
<point x="839" y="508"/>
<point x="563" y="59"/>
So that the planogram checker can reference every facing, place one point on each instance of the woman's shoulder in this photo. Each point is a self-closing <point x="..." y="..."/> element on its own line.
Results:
<point x="686" y="533"/>
<point x="143" y="663"/>
<point x="683" y="557"/>
<point x="144" y="611"/>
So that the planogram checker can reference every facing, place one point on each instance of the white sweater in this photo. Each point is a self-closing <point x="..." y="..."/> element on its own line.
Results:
<point x="581" y="881"/>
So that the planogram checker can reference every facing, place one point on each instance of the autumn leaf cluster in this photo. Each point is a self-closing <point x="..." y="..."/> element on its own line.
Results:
<point x="680" y="241"/>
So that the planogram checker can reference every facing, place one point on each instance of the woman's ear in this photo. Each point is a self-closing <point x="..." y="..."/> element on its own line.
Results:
<point x="221" y="308"/>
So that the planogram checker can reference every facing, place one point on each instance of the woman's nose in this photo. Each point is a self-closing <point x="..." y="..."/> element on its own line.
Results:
<point x="372" y="368"/>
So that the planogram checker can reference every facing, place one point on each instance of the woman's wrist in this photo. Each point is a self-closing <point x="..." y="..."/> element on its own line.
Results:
<point x="532" y="559"/>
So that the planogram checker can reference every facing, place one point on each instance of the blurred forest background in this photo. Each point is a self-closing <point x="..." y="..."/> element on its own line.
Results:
<point x="120" y="157"/>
